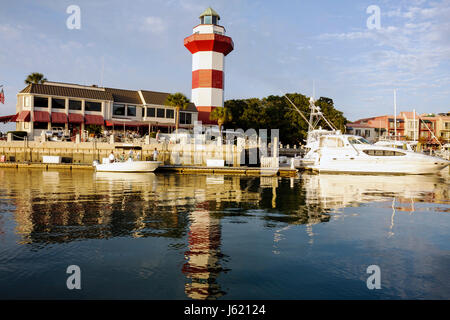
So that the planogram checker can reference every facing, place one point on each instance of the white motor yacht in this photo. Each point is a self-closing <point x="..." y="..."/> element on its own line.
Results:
<point x="332" y="151"/>
<point x="354" y="154"/>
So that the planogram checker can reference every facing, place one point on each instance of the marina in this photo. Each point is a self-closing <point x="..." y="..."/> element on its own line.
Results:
<point x="224" y="162"/>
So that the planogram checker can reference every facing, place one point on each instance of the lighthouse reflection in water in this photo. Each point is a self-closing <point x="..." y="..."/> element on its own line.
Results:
<point x="164" y="236"/>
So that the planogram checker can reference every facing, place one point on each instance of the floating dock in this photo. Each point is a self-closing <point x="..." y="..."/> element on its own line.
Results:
<point x="253" y="171"/>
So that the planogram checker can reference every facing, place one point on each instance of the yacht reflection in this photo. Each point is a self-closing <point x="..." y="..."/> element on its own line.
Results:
<point x="339" y="191"/>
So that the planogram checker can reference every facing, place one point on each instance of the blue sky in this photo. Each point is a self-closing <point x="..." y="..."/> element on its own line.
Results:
<point x="280" y="46"/>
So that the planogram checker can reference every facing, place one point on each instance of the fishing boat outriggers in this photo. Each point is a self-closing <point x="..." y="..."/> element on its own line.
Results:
<point x="332" y="151"/>
<point x="126" y="162"/>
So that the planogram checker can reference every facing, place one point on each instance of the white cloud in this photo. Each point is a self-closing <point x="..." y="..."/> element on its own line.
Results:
<point x="415" y="47"/>
<point x="9" y="32"/>
<point x="155" y="25"/>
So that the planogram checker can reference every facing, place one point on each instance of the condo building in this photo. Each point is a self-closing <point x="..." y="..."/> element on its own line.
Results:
<point x="410" y="126"/>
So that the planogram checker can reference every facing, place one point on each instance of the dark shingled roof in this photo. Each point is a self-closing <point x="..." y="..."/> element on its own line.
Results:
<point x="125" y="96"/>
<point x="63" y="91"/>
<point x="159" y="98"/>
<point x="110" y="94"/>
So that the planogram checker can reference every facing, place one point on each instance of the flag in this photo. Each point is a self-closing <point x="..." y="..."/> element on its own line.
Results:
<point x="2" y="97"/>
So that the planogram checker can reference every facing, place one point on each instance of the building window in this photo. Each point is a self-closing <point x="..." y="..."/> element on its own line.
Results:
<point x="74" y="105"/>
<point x="41" y="125"/>
<point x="151" y="112"/>
<point x="40" y="102"/>
<point x="185" y="118"/>
<point x="358" y="132"/>
<point x="367" y="133"/>
<point x="58" y="125"/>
<point x="92" y="106"/>
<point x="160" y="113"/>
<point x="131" y="111"/>
<point x="118" y="109"/>
<point x="170" y="113"/>
<point x="58" y="103"/>
<point x="207" y="20"/>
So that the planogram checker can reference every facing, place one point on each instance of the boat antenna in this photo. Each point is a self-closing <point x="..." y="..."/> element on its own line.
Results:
<point x="301" y="113"/>
<point x="314" y="90"/>
<point x="315" y="110"/>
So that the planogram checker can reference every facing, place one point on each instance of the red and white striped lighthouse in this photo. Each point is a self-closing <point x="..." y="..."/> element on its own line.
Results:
<point x="209" y="46"/>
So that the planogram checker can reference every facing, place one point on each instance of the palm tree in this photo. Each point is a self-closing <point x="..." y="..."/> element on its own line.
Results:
<point x="222" y="115"/>
<point x="35" y="77"/>
<point x="179" y="101"/>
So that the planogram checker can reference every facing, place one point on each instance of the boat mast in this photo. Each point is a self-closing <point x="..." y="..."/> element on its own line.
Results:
<point x="395" y="114"/>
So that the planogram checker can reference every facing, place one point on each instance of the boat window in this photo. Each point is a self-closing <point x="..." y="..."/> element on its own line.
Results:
<point x="358" y="140"/>
<point x="383" y="153"/>
<point x="331" y="142"/>
<point x="363" y="141"/>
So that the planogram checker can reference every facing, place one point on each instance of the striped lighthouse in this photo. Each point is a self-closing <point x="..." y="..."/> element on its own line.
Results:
<point x="209" y="46"/>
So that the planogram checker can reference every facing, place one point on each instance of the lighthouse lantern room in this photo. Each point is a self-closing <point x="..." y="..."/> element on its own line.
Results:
<point x="208" y="46"/>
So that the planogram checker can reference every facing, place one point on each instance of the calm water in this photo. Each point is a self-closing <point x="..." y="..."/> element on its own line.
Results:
<point x="164" y="236"/>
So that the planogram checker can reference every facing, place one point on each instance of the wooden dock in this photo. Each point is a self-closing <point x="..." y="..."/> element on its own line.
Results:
<point x="253" y="171"/>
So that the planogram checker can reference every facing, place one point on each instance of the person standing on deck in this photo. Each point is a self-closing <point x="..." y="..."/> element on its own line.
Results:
<point x="112" y="158"/>
<point x="155" y="155"/>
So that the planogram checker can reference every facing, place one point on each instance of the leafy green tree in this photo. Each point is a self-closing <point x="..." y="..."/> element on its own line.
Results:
<point x="221" y="115"/>
<point x="275" y="112"/>
<point x="179" y="101"/>
<point x="93" y="128"/>
<point x="35" y="77"/>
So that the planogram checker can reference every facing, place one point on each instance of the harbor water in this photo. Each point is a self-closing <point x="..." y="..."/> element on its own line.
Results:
<point x="172" y="236"/>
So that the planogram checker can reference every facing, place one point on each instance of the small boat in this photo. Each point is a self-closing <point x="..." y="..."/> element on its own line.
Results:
<point x="127" y="166"/>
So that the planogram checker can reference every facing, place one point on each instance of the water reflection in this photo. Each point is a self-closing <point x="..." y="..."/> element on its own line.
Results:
<point x="203" y="257"/>
<point x="51" y="207"/>
<point x="339" y="191"/>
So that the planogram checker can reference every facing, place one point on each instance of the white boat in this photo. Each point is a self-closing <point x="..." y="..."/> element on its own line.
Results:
<point x="332" y="151"/>
<point x="354" y="154"/>
<point x="127" y="166"/>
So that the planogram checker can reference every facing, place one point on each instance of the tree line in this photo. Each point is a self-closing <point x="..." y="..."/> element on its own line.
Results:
<point x="275" y="112"/>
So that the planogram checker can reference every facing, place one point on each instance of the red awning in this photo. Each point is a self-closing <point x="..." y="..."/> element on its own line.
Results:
<point x="41" y="116"/>
<point x="24" y="116"/>
<point x="76" y="118"/>
<point x="93" y="119"/>
<point x="59" y="117"/>
<point x="10" y="118"/>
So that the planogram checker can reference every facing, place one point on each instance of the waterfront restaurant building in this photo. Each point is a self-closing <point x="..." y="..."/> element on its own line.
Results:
<point x="73" y="107"/>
